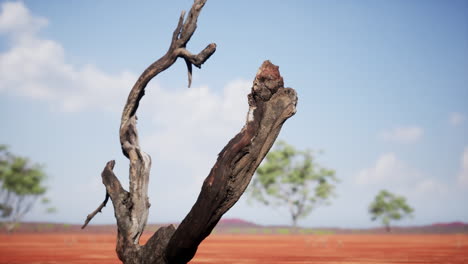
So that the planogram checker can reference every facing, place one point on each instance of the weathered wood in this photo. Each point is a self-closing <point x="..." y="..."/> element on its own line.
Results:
<point x="270" y="105"/>
<point x="140" y="163"/>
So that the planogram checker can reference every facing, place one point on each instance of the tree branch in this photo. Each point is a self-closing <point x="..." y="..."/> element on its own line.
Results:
<point x="140" y="162"/>
<point x="131" y="207"/>
<point x="270" y="105"/>
<point x="98" y="210"/>
<point x="190" y="23"/>
<point x="196" y="60"/>
<point x="180" y="37"/>
<point x="113" y="188"/>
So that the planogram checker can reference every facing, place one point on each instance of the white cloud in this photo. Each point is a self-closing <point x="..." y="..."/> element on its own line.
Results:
<point x="184" y="129"/>
<point x="430" y="187"/>
<point x="36" y="68"/>
<point x="407" y="134"/>
<point x="456" y="119"/>
<point x="395" y="175"/>
<point x="388" y="169"/>
<point x="16" y="19"/>
<point x="463" y="174"/>
<point x="195" y="124"/>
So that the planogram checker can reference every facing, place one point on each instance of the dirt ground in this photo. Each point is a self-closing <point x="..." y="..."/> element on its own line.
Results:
<point x="99" y="248"/>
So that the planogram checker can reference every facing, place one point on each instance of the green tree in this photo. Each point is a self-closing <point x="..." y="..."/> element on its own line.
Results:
<point x="387" y="207"/>
<point x="292" y="178"/>
<point x="21" y="184"/>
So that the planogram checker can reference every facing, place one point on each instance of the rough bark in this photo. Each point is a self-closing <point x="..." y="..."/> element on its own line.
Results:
<point x="270" y="105"/>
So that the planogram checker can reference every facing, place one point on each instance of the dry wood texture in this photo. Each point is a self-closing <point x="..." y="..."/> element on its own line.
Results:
<point x="270" y="105"/>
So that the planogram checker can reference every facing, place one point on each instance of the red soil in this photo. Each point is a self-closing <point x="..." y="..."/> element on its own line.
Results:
<point x="99" y="248"/>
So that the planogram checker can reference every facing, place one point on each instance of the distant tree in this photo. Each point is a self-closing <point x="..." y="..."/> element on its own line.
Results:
<point x="292" y="178"/>
<point x="21" y="184"/>
<point x="387" y="206"/>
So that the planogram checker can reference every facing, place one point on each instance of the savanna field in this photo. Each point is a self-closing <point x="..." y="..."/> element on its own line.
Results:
<point x="78" y="247"/>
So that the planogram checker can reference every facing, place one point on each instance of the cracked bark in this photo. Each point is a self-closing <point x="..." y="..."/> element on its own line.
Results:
<point x="270" y="105"/>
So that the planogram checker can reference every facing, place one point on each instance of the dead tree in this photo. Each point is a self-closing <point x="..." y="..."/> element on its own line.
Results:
<point x="270" y="105"/>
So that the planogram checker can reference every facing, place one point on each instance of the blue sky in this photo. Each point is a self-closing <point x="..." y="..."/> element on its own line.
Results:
<point x="382" y="91"/>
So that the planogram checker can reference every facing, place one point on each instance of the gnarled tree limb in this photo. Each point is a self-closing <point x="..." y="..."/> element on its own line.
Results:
<point x="270" y="105"/>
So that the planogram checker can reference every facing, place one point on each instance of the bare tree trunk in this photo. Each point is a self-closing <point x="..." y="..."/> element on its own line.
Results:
<point x="270" y="105"/>
<point x="294" y="223"/>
